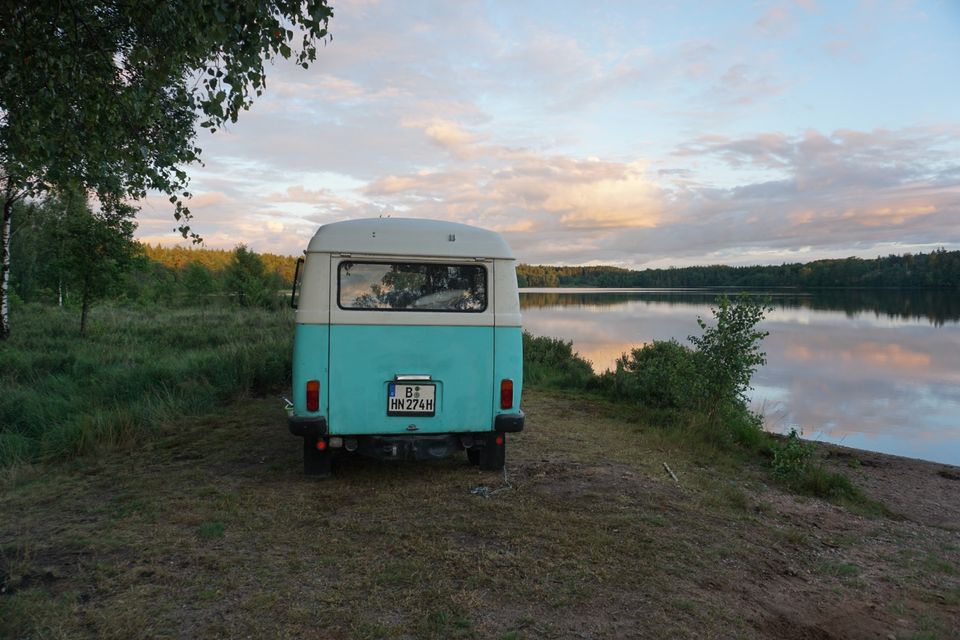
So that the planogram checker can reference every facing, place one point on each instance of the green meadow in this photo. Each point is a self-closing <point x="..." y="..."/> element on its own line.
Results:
<point x="136" y="371"/>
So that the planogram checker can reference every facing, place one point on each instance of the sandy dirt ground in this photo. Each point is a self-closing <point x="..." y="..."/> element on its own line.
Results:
<point x="212" y="531"/>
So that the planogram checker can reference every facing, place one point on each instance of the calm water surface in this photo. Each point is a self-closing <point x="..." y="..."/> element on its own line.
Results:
<point x="867" y="369"/>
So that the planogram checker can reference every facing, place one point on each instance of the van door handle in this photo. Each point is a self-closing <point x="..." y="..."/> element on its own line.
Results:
<point x="400" y="377"/>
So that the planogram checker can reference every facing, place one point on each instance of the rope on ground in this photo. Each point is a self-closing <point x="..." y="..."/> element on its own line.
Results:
<point x="487" y="492"/>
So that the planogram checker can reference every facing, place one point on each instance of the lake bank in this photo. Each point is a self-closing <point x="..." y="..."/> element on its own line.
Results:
<point x="212" y="531"/>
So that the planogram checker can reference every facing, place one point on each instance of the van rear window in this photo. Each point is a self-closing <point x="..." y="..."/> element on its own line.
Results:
<point x="412" y="286"/>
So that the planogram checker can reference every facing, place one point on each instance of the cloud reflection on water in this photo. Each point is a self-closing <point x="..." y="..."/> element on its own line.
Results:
<point x="878" y="371"/>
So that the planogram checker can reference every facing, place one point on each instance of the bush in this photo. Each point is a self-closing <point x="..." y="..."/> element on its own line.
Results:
<point x="791" y="457"/>
<point x="712" y="378"/>
<point x="703" y="388"/>
<point x="661" y="375"/>
<point x="554" y="363"/>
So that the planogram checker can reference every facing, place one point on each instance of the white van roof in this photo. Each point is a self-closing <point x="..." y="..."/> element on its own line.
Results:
<point x="409" y="237"/>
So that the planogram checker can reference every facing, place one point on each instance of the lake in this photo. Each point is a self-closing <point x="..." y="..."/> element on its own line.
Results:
<point x="876" y="370"/>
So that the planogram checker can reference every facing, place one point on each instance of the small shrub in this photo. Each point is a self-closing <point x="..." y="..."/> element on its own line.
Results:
<point x="745" y="428"/>
<point x="730" y="351"/>
<point x="792" y="456"/>
<point x="15" y="301"/>
<point x="818" y="482"/>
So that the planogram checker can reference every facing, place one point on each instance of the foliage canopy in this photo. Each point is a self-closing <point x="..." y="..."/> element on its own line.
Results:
<point x="248" y="280"/>
<point x="107" y="95"/>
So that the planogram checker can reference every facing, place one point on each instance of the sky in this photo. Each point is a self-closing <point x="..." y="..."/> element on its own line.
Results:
<point x="636" y="134"/>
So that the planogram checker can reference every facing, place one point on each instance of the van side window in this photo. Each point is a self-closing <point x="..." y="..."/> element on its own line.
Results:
<point x="411" y="286"/>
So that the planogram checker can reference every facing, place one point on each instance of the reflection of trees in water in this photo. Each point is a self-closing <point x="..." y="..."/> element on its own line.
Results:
<point x="418" y="286"/>
<point x="939" y="307"/>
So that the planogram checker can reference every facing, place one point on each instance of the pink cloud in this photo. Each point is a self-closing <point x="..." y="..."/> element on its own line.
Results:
<point x="775" y="21"/>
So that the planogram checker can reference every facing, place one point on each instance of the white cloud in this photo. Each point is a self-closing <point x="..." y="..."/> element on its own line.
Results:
<point x="608" y="140"/>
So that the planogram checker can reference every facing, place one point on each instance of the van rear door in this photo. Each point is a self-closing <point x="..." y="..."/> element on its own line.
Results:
<point x="411" y="345"/>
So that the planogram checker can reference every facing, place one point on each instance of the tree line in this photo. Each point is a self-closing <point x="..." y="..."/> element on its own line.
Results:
<point x="177" y="258"/>
<point x="66" y="253"/>
<point x="937" y="269"/>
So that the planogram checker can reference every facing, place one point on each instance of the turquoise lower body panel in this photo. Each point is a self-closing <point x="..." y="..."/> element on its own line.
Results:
<point x="508" y="364"/>
<point x="355" y="365"/>
<point x="311" y="351"/>
<point x="364" y="360"/>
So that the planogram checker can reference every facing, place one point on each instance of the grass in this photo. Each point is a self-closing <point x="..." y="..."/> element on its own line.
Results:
<point x="135" y="371"/>
<point x="211" y="530"/>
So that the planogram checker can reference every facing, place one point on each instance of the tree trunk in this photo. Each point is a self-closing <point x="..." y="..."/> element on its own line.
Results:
<point x="5" y="232"/>
<point x="84" y="307"/>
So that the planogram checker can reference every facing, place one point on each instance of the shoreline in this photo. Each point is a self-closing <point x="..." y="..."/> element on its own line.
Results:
<point x="923" y="491"/>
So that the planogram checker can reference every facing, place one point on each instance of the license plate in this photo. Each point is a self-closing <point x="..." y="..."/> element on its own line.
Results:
<point x="411" y="399"/>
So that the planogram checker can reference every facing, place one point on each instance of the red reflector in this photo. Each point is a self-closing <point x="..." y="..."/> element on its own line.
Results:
<point x="499" y="441"/>
<point x="313" y="395"/>
<point x="506" y="394"/>
<point x="321" y="445"/>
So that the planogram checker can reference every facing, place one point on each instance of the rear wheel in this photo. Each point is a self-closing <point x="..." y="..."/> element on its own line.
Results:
<point x="315" y="463"/>
<point x="494" y="453"/>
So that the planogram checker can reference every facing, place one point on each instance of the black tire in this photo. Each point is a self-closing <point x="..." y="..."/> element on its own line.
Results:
<point x="473" y="455"/>
<point x="315" y="463"/>
<point x="493" y="456"/>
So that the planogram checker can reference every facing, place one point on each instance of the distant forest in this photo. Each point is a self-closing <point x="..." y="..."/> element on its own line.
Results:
<point x="939" y="269"/>
<point x="177" y="258"/>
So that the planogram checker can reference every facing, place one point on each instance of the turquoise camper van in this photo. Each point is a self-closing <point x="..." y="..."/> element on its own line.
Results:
<point x="408" y="343"/>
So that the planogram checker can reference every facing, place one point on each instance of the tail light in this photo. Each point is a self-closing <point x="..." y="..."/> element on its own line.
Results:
<point x="313" y="395"/>
<point x="506" y="394"/>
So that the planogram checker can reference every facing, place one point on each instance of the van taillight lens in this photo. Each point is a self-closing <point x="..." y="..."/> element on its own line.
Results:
<point x="506" y="394"/>
<point x="313" y="395"/>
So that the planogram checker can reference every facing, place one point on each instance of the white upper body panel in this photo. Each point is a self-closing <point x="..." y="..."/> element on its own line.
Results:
<point x="395" y="240"/>
<point x="409" y="237"/>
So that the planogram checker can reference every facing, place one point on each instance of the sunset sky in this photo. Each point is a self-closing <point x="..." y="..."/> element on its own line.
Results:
<point x="640" y="134"/>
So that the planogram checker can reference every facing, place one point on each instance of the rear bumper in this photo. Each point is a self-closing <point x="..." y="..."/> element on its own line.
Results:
<point x="508" y="422"/>
<point x="404" y="447"/>
<point x="307" y="426"/>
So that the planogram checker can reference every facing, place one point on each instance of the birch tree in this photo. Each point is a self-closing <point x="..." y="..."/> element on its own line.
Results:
<point x="108" y="94"/>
